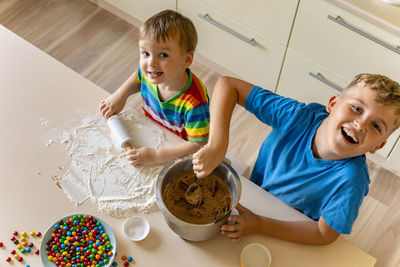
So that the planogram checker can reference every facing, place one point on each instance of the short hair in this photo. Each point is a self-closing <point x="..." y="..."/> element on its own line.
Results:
<point x="167" y="24"/>
<point x="387" y="91"/>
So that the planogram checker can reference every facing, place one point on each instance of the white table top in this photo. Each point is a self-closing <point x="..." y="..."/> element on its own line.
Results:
<point x="34" y="85"/>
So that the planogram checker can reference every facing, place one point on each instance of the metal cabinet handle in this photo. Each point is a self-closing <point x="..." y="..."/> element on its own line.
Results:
<point x="321" y="78"/>
<point x="206" y="17"/>
<point x="340" y="21"/>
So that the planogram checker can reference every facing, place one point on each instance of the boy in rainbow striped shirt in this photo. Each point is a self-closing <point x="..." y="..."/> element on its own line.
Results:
<point x="172" y="96"/>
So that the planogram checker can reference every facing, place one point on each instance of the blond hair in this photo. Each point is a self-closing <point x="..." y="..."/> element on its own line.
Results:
<point x="387" y="91"/>
<point x="168" y="24"/>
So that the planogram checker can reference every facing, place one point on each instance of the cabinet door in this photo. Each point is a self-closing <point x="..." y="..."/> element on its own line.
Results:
<point x="386" y="150"/>
<point x="393" y="162"/>
<point x="272" y="18"/>
<point x="324" y="40"/>
<point x="142" y="10"/>
<point x="307" y="81"/>
<point x="259" y="64"/>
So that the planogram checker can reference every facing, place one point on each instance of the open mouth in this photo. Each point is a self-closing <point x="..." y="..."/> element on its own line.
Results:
<point x="154" y="74"/>
<point x="349" y="136"/>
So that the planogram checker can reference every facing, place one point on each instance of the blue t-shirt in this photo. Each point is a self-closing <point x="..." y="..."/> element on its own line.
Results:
<point x="287" y="168"/>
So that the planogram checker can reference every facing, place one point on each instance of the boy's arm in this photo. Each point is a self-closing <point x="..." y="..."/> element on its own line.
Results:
<point x="113" y="104"/>
<point x="227" y="92"/>
<point x="148" y="156"/>
<point x="304" y="232"/>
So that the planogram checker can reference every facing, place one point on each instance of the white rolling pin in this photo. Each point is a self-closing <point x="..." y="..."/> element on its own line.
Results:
<point x="120" y="133"/>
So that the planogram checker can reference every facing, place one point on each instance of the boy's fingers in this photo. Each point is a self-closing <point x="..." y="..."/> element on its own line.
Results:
<point x="200" y="174"/>
<point x="107" y="113"/>
<point x="101" y="106"/>
<point x="229" y="228"/>
<point x="240" y="208"/>
<point x="232" y="235"/>
<point x="234" y="221"/>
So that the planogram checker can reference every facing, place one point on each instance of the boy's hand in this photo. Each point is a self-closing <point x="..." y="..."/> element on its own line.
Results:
<point x="243" y="224"/>
<point x="206" y="160"/>
<point x="112" y="105"/>
<point x="142" y="157"/>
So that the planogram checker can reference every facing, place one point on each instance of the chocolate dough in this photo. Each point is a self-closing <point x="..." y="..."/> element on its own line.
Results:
<point x="216" y="198"/>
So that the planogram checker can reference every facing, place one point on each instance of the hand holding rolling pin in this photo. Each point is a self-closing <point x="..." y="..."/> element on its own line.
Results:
<point x="137" y="157"/>
<point x="113" y="105"/>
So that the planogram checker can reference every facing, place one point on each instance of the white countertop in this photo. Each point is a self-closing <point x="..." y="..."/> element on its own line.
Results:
<point x="34" y="85"/>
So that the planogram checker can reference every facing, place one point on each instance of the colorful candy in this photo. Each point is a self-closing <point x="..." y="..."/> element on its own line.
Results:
<point x="81" y="241"/>
<point x="1" y="244"/>
<point x="126" y="264"/>
<point x="8" y="259"/>
<point x="15" y="233"/>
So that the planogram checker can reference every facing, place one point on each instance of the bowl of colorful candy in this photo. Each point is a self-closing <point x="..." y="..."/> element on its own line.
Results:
<point x="78" y="240"/>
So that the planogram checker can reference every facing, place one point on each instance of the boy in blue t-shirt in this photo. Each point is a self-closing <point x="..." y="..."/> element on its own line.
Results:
<point x="313" y="159"/>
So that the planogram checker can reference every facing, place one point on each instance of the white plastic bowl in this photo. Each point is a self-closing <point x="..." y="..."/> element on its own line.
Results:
<point x="136" y="228"/>
<point x="255" y="255"/>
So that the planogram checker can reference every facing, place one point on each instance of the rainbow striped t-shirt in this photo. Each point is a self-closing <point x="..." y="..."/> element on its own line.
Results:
<point x="186" y="114"/>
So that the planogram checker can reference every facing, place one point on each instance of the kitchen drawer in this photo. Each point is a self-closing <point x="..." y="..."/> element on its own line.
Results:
<point x="385" y="151"/>
<point x="393" y="162"/>
<point x="271" y="18"/>
<point x="142" y="10"/>
<point x="259" y="64"/>
<point x="340" y="48"/>
<point x="296" y="81"/>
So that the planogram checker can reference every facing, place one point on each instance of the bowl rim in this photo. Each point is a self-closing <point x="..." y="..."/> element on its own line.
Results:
<point x="46" y="236"/>
<point x="144" y="223"/>
<point x="259" y="245"/>
<point x="160" y="201"/>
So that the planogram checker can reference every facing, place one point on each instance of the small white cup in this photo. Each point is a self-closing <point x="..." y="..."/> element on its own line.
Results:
<point x="255" y="255"/>
<point x="136" y="228"/>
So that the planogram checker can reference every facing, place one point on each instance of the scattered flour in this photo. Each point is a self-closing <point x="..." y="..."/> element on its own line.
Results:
<point x="99" y="170"/>
<point x="44" y="122"/>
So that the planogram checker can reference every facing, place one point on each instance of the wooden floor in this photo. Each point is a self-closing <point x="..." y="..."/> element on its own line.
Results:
<point x="103" y="48"/>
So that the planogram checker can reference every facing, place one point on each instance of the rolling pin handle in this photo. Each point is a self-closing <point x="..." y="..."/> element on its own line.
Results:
<point x="128" y="146"/>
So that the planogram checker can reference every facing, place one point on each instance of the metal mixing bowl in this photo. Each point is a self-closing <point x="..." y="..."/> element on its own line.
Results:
<point x="189" y="231"/>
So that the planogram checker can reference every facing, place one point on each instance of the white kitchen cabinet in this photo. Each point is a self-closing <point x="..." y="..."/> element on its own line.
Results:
<point x="338" y="40"/>
<point x="393" y="161"/>
<point x="307" y="81"/>
<point x="271" y="18"/>
<point x="234" y="46"/>
<point x="142" y="10"/>
<point x="328" y="47"/>
<point x="388" y="148"/>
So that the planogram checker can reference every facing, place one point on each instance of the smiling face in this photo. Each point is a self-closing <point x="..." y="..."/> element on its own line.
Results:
<point x="357" y="124"/>
<point x="164" y="62"/>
